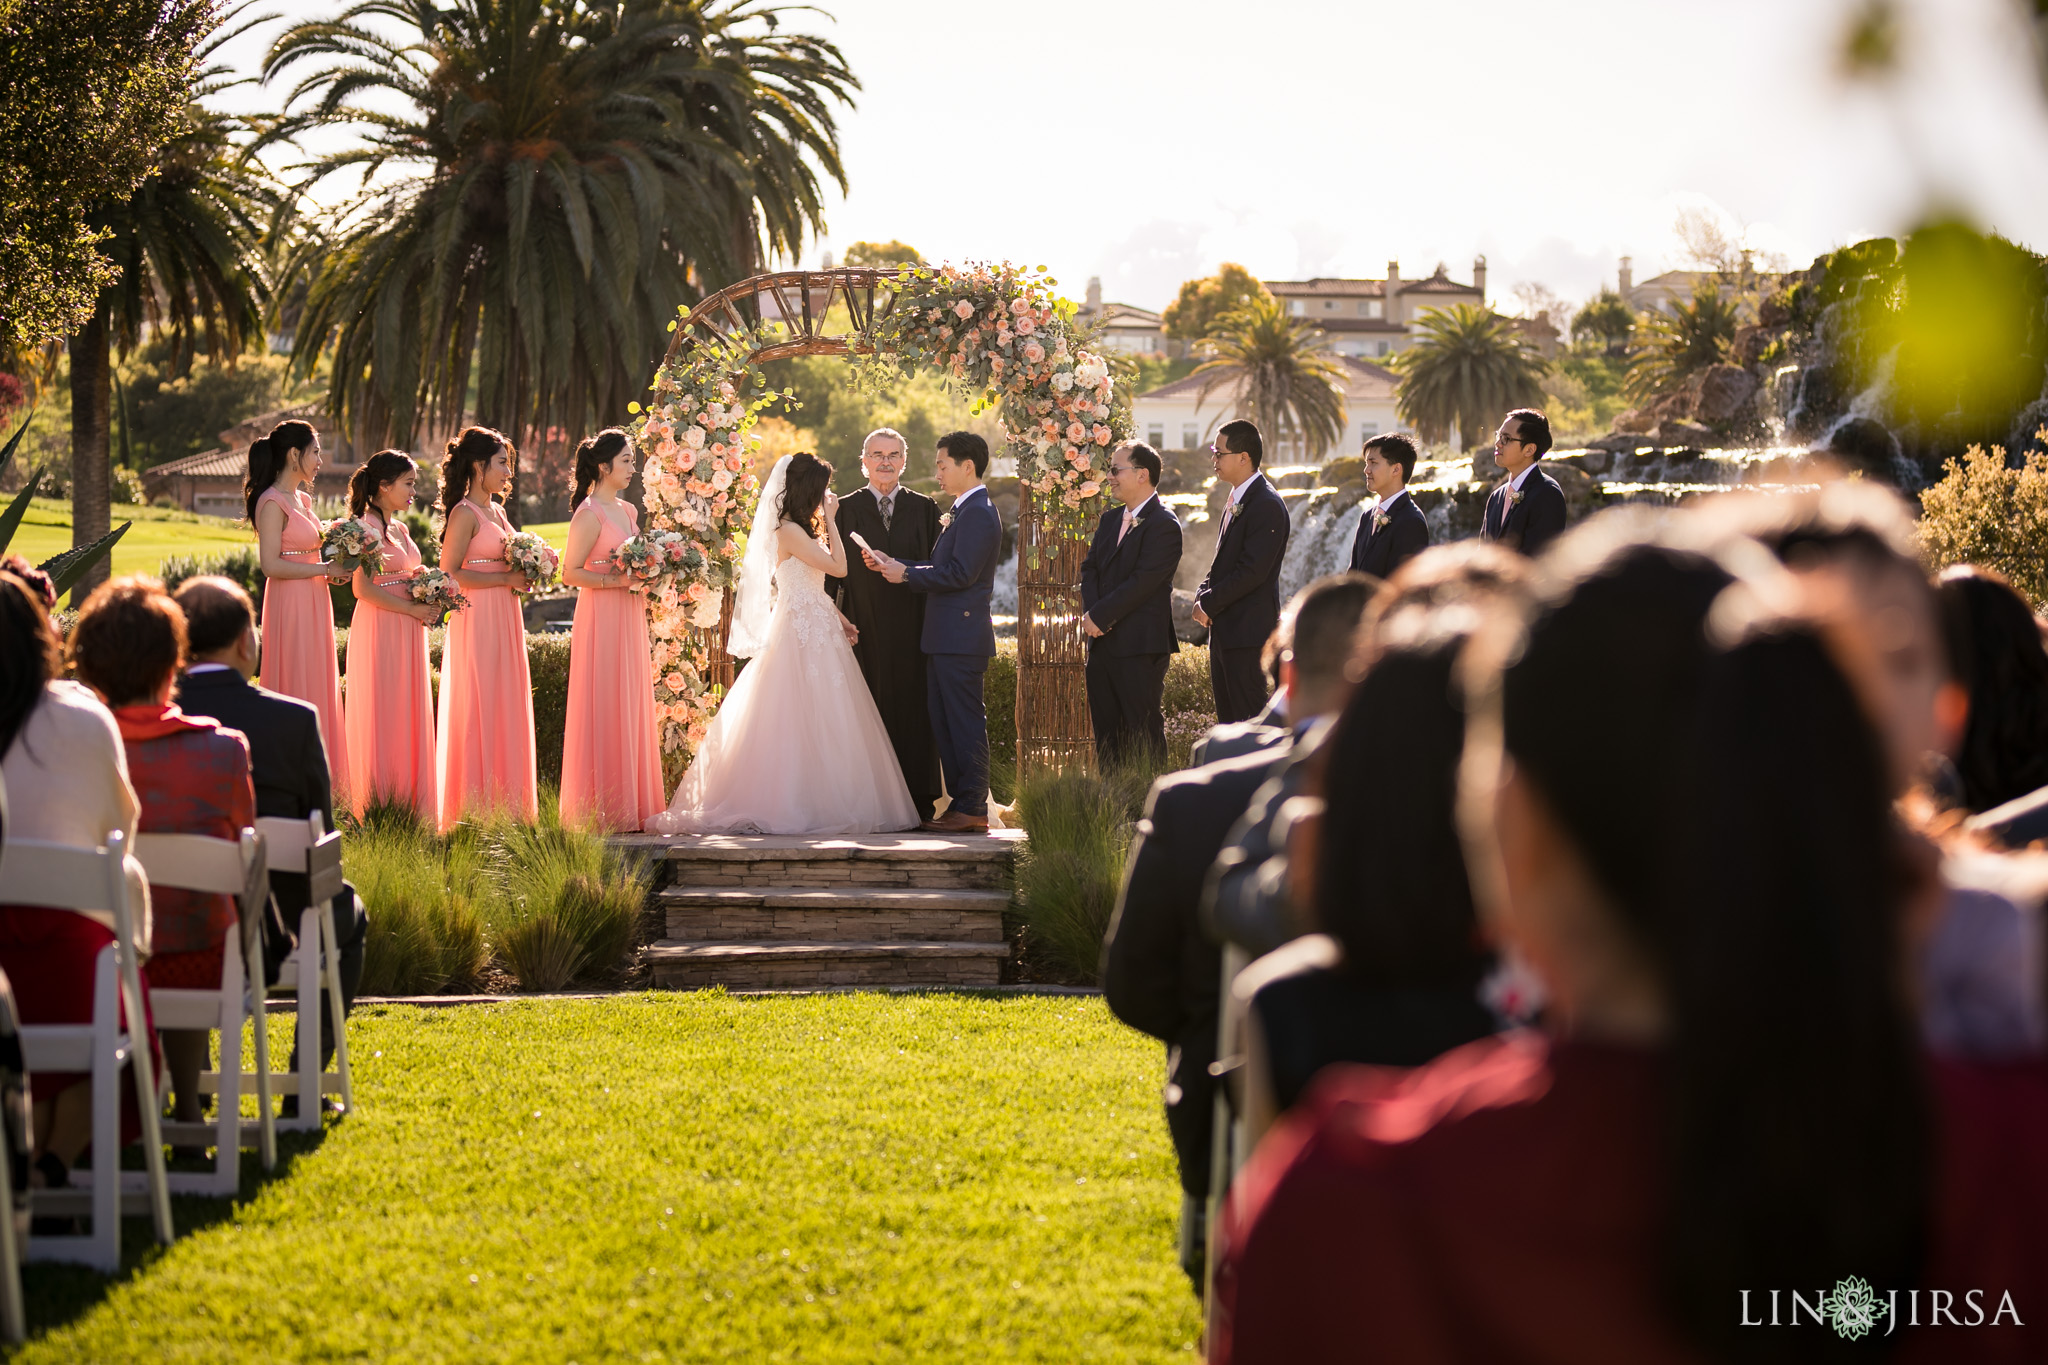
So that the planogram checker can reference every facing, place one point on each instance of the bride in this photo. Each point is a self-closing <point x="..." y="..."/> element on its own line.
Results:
<point x="798" y="747"/>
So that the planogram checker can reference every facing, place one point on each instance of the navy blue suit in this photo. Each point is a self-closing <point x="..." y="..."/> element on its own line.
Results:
<point x="959" y="639"/>
<point x="1241" y="597"/>
<point x="1404" y="536"/>
<point x="1127" y="590"/>
<point x="1532" y="521"/>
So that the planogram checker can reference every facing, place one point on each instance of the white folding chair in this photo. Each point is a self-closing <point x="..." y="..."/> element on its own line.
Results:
<point x="229" y="867"/>
<point x="92" y="880"/>
<point x="308" y="846"/>
<point x="13" y="1320"/>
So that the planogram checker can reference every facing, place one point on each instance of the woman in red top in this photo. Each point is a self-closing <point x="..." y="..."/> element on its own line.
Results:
<point x="1677" y="810"/>
<point x="191" y="776"/>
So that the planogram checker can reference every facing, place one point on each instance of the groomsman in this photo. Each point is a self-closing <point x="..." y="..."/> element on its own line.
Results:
<point x="1392" y="531"/>
<point x="888" y="618"/>
<point x="1239" y="600"/>
<point x="1127" y="597"/>
<point x="1526" y="512"/>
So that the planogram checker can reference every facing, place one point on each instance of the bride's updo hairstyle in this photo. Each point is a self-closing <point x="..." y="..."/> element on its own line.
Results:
<point x="468" y="452"/>
<point x="591" y="458"/>
<point x="803" y="492"/>
<point x="268" y="456"/>
<point x="1711" y="766"/>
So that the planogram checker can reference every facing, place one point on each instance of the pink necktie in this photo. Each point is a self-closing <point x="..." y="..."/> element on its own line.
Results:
<point x="1124" y="529"/>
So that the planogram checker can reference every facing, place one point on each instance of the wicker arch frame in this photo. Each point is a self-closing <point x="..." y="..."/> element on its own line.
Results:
<point x="1053" y="726"/>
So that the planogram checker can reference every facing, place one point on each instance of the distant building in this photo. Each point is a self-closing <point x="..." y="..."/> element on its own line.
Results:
<point x="1660" y="292"/>
<point x="1125" y="327"/>
<point x="211" y="483"/>
<point x="1373" y="318"/>
<point x="1177" y="416"/>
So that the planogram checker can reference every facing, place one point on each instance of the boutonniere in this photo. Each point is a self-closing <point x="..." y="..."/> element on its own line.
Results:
<point x="945" y="520"/>
<point x="1379" y="519"/>
<point x="1514" y="496"/>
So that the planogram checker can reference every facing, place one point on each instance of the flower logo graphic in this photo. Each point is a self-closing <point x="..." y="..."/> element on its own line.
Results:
<point x="1853" y="1308"/>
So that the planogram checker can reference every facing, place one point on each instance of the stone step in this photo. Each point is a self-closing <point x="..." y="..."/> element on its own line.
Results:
<point x="820" y="914"/>
<point x="937" y="861"/>
<point x="798" y="965"/>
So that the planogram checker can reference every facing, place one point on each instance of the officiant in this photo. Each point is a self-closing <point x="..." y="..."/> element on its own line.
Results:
<point x="888" y="618"/>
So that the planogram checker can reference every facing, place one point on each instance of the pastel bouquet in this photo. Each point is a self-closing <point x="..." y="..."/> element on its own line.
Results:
<point x="351" y="544"/>
<point x="528" y="555"/>
<point x="652" y="561"/>
<point x="431" y="587"/>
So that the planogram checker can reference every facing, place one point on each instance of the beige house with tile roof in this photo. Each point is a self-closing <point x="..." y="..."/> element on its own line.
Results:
<point x="1178" y="416"/>
<point x="1374" y="318"/>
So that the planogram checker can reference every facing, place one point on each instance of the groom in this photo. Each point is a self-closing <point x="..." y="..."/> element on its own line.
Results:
<point x="959" y="636"/>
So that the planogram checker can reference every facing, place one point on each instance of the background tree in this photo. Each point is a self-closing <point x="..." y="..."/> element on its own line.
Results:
<point x="1286" y="380"/>
<point x="1202" y="304"/>
<point x="1606" y="318"/>
<point x="1466" y="368"/>
<point x="882" y="253"/>
<point x="187" y="251"/>
<point x="1671" y="347"/>
<point x="92" y="89"/>
<point x="569" y="172"/>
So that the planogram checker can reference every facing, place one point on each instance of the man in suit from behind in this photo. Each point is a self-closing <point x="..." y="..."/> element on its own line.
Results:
<point x="1392" y="530"/>
<point x="1127" y="610"/>
<point x="1239" y="599"/>
<point x="1527" y="511"/>
<point x="287" y="760"/>
<point x="959" y="634"/>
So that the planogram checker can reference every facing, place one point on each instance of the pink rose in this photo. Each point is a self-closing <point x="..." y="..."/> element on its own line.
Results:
<point x="695" y="592"/>
<point x="674" y="680"/>
<point x="1101" y="434"/>
<point x="963" y="310"/>
<point x="1019" y="307"/>
<point x="1089" y="489"/>
<point x="1076" y="432"/>
<point x="1034" y="352"/>
<point x="1025" y="327"/>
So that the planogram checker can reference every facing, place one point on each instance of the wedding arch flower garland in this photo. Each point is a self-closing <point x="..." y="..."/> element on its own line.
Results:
<point x="997" y="331"/>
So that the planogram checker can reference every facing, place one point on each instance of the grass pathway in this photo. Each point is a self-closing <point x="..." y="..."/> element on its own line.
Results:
<point x="680" y="1178"/>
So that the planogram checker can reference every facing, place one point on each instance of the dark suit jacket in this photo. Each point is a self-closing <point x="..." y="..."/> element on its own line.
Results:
<point x="1531" y="524"/>
<point x="1241" y="593"/>
<point x="1127" y="587"/>
<point x="961" y="578"/>
<point x="869" y="600"/>
<point x="286" y="757"/>
<point x="1405" y="536"/>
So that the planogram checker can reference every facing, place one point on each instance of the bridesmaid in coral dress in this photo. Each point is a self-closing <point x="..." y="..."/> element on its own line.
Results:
<point x="298" y="614"/>
<point x="487" y="761"/>
<point x="611" y="759"/>
<point x="390" y="698"/>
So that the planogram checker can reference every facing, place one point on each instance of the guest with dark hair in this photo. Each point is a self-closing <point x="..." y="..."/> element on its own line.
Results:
<point x="487" y="757"/>
<point x="1996" y="645"/>
<point x="1127" y="611"/>
<point x="1306" y="658"/>
<point x="1239" y="598"/>
<point x="1526" y="510"/>
<point x="191" y="775"/>
<point x="611" y="746"/>
<point x="1392" y="530"/>
<point x="66" y="778"/>
<point x="298" y="611"/>
<point x="287" y="764"/>
<point x="1730" y="1095"/>
<point x="1161" y="970"/>
<point x="390" y="719"/>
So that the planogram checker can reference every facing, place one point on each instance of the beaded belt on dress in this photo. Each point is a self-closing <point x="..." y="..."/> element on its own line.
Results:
<point x="386" y="580"/>
<point x="500" y="559"/>
<point x="289" y="553"/>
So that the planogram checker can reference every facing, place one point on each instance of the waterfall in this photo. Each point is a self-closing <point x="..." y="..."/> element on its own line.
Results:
<point x="1319" y="541"/>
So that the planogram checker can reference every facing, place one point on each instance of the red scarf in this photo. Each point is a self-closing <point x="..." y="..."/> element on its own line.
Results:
<point x="151" y="721"/>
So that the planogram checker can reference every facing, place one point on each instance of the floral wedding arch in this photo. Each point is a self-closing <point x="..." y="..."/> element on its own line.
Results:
<point x="995" y="331"/>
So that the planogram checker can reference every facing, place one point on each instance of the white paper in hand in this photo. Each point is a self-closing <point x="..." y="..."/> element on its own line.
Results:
<point x="862" y="541"/>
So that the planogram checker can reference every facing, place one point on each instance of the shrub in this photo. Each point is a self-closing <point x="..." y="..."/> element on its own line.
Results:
<point x="1986" y="514"/>
<point x="242" y="565"/>
<point x="1079" y="828"/>
<point x="124" y="485"/>
<point x="565" y="901"/>
<point x="426" y="927"/>
<point x="547" y="658"/>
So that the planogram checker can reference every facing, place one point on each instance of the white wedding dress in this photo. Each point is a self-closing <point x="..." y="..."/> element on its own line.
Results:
<point x="798" y="747"/>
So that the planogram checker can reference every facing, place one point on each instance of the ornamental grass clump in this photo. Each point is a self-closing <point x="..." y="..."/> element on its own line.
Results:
<point x="565" y="903"/>
<point x="1078" y="828"/>
<point x="426" y="931"/>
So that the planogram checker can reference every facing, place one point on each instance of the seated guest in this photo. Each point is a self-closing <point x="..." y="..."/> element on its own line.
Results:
<point x="288" y="761"/>
<point x="1393" y="977"/>
<point x="66" y="779"/>
<point x="1162" y="973"/>
<point x="1997" y="645"/>
<point x="1729" y="1094"/>
<point x="1391" y="530"/>
<point x="191" y="776"/>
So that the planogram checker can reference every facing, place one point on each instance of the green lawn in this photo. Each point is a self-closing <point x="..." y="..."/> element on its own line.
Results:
<point x="685" y="1177"/>
<point x="158" y="532"/>
<point x="555" y="533"/>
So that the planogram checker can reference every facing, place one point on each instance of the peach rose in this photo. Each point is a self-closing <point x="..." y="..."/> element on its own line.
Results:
<point x="674" y="681"/>
<point x="1025" y="327"/>
<point x="1076" y="432"/>
<point x="1089" y="489"/>
<point x="963" y="310"/>
<point x="1101" y="434"/>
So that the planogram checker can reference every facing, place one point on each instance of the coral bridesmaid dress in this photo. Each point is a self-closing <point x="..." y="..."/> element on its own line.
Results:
<point x="611" y="758"/>
<point x="298" y="633"/>
<point x="390" y="698"/>
<point x="487" y="694"/>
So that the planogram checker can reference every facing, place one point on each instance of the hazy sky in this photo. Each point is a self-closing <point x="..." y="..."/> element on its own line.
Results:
<point x="1146" y="140"/>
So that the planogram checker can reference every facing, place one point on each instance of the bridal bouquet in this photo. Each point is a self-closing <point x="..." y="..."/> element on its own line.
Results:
<point x="655" y="560"/>
<point x="351" y="544"/>
<point x="430" y="587"/>
<point x="529" y="555"/>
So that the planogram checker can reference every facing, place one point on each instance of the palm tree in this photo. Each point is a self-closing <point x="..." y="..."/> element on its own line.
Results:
<point x="568" y="172"/>
<point x="1466" y="368"/>
<point x="1672" y="346"/>
<point x="187" y="248"/>
<point x="1286" y="379"/>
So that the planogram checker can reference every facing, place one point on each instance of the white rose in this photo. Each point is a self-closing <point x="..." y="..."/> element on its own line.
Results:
<point x="721" y="481"/>
<point x="693" y="437"/>
<point x="704" y="615"/>
<point x="1063" y="381"/>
